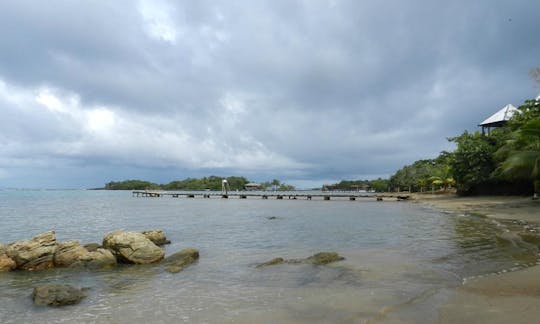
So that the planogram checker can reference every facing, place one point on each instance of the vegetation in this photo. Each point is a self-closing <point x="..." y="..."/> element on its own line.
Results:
<point x="206" y="183"/>
<point x="131" y="185"/>
<point x="378" y="185"/>
<point x="507" y="161"/>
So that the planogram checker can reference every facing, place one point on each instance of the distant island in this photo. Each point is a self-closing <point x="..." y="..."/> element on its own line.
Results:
<point x="205" y="183"/>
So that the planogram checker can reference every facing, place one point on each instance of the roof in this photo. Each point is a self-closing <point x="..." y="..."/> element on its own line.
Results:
<point x="500" y="116"/>
<point x="252" y="184"/>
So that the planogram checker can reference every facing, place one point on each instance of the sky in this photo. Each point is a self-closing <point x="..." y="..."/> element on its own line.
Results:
<point x="308" y="92"/>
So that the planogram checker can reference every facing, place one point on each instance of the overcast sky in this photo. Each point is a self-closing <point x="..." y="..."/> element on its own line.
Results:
<point x="308" y="92"/>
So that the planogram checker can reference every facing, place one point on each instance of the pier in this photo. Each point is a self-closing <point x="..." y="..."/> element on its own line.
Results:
<point x="258" y="195"/>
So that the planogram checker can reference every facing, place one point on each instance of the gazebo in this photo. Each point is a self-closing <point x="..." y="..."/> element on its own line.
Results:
<point x="498" y="119"/>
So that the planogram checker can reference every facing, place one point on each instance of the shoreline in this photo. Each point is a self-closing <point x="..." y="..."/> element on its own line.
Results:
<point x="511" y="297"/>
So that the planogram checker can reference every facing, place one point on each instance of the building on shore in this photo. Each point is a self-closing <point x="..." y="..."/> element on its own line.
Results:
<point x="498" y="119"/>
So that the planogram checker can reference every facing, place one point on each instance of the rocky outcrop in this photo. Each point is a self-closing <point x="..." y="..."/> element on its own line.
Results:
<point x="35" y="254"/>
<point x="132" y="247"/>
<point x="320" y="258"/>
<point x="6" y="263"/>
<point x="157" y="236"/>
<point x="181" y="259"/>
<point x="98" y="259"/>
<point x="57" y="295"/>
<point x="68" y="253"/>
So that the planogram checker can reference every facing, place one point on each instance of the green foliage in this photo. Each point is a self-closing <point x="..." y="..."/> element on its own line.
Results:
<point x="131" y="185"/>
<point x="378" y="185"/>
<point x="206" y="183"/>
<point x="423" y="174"/>
<point x="473" y="161"/>
<point x="520" y="155"/>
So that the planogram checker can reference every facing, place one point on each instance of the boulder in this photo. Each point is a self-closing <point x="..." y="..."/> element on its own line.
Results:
<point x="100" y="258"/>
<point x="68" y="253"/>
<point x="156" y="236"/>
<point x="57" y="295"/>
<point x="35" y="254"/>
<point x="179" y="260"/>
<point x="91" y="247"/>
<point x="132" y="247"/>
<point x="6" y="263"/>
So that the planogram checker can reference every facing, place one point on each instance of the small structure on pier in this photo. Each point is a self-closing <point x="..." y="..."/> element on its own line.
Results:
<point x="252" y="186"/>
<point x="498" y="119"/>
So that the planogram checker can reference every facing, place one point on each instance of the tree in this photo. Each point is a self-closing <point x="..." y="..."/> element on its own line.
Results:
<point x="523" y="154"/>
<point x="472" y="162"/>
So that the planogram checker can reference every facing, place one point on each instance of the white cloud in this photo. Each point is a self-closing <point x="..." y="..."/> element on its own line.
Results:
<point x="157" y="20"/>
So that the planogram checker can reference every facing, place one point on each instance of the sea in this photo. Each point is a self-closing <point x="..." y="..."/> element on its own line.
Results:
<point x="402" y="262"/>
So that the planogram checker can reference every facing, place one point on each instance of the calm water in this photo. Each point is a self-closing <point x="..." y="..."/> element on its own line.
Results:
<point x="402" y="259"/>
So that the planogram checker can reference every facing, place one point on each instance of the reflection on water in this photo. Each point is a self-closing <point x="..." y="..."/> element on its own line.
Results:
<point x="401" y="260"/>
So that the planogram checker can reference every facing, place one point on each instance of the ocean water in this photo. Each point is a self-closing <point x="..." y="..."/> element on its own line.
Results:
<point x="402" y="259"/>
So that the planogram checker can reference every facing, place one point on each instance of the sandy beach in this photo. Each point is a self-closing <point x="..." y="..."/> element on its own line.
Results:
<point x="512" y="297"/>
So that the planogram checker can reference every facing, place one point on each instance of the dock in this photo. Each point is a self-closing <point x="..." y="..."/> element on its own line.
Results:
<point x="351" y="196"/>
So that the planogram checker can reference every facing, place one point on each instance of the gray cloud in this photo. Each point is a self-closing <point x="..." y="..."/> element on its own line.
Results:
<point x="304" y="91"/>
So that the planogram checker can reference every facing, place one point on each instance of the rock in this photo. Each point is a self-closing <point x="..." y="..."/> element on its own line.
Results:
<point x="91" y="247"/>
<point x="68" y="253"/>
<point x="6" y="263"/>
<point x="35" y="254"/>
<point x="531" y="238"/>
<point x="132" y="247"/>
<point x="324" y="258"/>
<point x="320" y="258"/>
<point x="179" y="260"/>
<point x="271" y="262"/>
<point x="57" y="295"/>
<point x="157" y="236"/>
<point x="100" y="258"/>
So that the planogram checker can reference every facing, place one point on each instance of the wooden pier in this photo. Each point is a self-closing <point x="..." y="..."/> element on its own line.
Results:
<point x="259" y="195"/>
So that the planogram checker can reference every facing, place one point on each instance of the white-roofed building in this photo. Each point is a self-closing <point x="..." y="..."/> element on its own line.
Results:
<point x="498" y="119"/>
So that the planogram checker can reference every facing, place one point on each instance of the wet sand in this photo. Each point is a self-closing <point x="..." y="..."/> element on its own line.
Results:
<point x="512" y="297"/>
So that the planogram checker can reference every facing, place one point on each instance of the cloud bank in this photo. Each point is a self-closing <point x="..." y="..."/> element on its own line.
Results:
<point x="303" y="91"/>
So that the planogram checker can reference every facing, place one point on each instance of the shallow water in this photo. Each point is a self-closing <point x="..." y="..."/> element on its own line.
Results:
<point x="402" y="259"/>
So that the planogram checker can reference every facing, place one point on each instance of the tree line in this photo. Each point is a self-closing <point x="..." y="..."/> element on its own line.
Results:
<point x="205" y="183"/>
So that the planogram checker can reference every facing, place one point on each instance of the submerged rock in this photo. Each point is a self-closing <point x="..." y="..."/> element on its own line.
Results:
<point x="320" y="258"/>
<point x="181" y="259"/>
<point x="68" y="253"/>
<point x="132" y="247"/>
<point x="57" y="295"/>
<point x="324" y="258"/>
<point x="271" y="262"/>
<point x="34" y="254"/>
<point x="6" y="263"/>
<point x="156" y="236"/>
<point x="98" y="259"/>
<point x="531" y="238"/>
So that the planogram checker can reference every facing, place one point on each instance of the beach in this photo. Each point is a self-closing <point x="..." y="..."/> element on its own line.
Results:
<point x="511" y="297"/>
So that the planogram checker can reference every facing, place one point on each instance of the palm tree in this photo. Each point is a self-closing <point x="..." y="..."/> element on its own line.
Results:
<point x="523" y="154"/>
